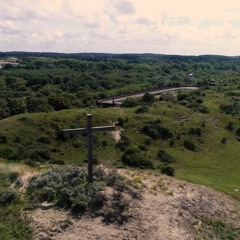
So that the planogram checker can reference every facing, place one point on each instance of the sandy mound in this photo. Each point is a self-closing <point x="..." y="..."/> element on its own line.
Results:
<point x="170" y="209"/>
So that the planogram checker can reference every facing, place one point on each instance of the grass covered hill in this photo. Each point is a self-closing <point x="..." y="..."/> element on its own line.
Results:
<point x="193" y="135"/>
<point x="190" y="135"/>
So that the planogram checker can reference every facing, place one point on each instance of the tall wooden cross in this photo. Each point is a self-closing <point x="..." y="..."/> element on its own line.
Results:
<point x="89" y="130"/>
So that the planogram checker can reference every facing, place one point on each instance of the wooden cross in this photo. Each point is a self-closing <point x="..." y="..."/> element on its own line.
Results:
<point x="89" y="130"/>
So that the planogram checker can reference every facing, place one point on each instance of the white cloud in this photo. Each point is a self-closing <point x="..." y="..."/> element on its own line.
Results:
<point x="159" y="26"/>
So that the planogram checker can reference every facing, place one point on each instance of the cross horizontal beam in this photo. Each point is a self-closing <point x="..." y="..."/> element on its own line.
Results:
<point x="89" y="130"/>
<point x="85" y="130"/>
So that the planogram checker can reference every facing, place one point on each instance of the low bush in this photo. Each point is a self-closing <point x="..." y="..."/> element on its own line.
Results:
<point x="68" y="188"/>
<point x="165" y="157"/>
<point x="167" y="170"/>
<point x="195" y="131"/>
<point x="123" y="143"/>
<point x="230" y="126"/>
<point x="190" y="145"/>
<point x="3" y="139"/>
<point x="41" y="155"/>
<point x="8" y="153"/>
<point x="142" y="109"/>
<point x="156" y="130"/>
<point x="8" y="196"/>
<point x="44" y="139"/>
<point x="130" y="102"/>
<point x="134" y="158"/>
<point x="238" y="132"/>
<point x="224" y="140"/>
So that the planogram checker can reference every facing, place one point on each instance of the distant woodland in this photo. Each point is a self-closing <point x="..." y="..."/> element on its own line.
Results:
<point x="43" y="82"/>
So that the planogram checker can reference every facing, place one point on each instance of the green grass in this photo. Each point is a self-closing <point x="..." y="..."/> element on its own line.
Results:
<point x="12" y="224"/>
<point x="213" y="164"/>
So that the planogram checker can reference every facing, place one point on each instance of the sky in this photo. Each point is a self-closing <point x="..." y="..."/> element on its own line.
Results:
<point x="183" y="27"/>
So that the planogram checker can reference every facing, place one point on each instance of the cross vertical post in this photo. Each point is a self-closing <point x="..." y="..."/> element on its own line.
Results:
<point x="89" y="130"/>
<point x="89" y="136"/>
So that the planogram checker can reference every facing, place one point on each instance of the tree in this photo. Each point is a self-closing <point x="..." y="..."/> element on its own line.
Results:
<point x="4" y="109"/>
<point x="16" y="106"/>
<point x="59" y="101"/>
<point x="130" y="102"/>
<point x="37" y="104"/>
<point x="148" y="98"/>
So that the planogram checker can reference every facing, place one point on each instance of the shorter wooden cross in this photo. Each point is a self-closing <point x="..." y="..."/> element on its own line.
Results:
<point x="89" y="130"/>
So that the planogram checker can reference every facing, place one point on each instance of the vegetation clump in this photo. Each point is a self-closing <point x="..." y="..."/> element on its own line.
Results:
<point x="156" y="130"/>
<point x="188" y="144"/>
<point x="133" y="158"/>
<point x="165" y="157"/>
<point x="68" y="187"/>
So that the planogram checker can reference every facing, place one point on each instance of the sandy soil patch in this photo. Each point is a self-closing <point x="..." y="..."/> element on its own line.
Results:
<point x="170" y="209"/>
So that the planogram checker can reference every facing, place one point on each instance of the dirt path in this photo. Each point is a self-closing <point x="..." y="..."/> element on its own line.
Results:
<point x="170" y="209"/>
<point x="120" y="99"/>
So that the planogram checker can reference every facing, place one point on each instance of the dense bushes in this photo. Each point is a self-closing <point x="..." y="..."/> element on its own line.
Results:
<point x="195" y="131"/>
<point x="133" y="158"/>
<point x="230" y="108"/>
<point x="238" y="132"/>
<point x="188" y="144"/>
<point x="130" y="102"/>
<point x="166" y="160"/>
<point x="156" y="130"/>
<point x="68" y="188"/>
<point x="165" y="157"/>
<point x="8" y="196"/>
<point x="168" y="170"/>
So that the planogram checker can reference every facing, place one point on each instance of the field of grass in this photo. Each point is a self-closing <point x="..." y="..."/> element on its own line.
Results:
<point x="36" y="139"/>
<point x="12" y="225"/>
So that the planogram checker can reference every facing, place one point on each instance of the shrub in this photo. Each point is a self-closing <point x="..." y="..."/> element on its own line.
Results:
<point x="189" y="145"/>
<point x="8" y="196"/>
<point x="3" y="139"/>
<point x="142" y="109"/>
<point x="238" y="132"/>
<point x="165" y="157"/>
<point x="130" y="102"/>
<point x="116" y="181"/>
<point x="123" y="143"/>
<point x="41" y="155"/>
<point x="157" y="132"/>
<point x="44" y="139"/>
<point x="167" y="170"/>
<point x="8" y="153"/>
<point x="151" y="132"/>
<point x="224" y="140"/>
<point x="120" y="122"/>
<point x="68" y="188"/>
<point x="199" y="101"/>
<point x="133" y="158"/>
<point x="182" y="96"/>
<point x="148" y="98"/>
<point x="13" y="176"/>
<point x="115" y="212"/>
<point x="226" y="108"/>
<point x="230" y="126"/>
<point x="195" y="131"/>
<point x="172" y="143"/>
<point x="203" y="109"/>
<point x="143" y="147"/>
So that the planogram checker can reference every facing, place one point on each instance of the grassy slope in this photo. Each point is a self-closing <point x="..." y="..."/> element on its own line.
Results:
<point x="215" y="164"/>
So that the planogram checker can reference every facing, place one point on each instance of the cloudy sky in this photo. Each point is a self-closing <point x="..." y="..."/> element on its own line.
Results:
<point x="187" y="27"/>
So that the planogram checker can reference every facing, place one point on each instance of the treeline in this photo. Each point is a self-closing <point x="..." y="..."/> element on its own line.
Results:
<point x="54" y="81"/>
